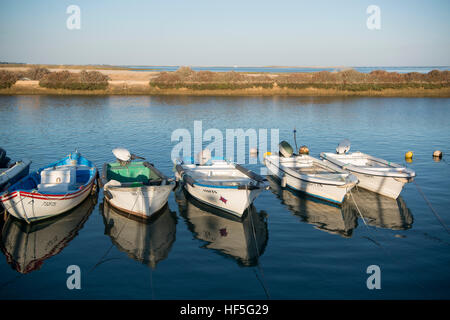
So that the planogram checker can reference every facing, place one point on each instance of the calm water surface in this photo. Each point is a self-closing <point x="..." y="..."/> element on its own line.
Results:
<point x="307" y="249"/>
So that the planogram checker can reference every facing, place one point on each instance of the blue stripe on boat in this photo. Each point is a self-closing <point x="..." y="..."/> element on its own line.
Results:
<point x="215" y="186"/>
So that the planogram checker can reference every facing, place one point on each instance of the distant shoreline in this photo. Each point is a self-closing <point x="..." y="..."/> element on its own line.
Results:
<point x="127" y="82"/>
<point x="125" y="88"/>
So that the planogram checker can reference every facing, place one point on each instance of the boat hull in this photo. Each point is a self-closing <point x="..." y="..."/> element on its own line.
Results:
<point x="330" y="193"/>
<point x="142" y="201"/>
<point x="386" y="186"/>
<point x="380" y="176"/>
<point x="35" y="206"/>
<point x="231" y="200"/>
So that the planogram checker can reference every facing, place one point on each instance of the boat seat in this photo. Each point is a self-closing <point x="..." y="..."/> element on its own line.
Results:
<point x="56" y="187"/>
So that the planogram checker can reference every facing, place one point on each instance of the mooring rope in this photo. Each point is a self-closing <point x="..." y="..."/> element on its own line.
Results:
<point x="438" y="217"/>
<point x="112" y="244"/>
<point x="262" y="281"/>
<point x="378" y="243"/>
<point x="431" y="207"/>
<point x="357" y="208"/>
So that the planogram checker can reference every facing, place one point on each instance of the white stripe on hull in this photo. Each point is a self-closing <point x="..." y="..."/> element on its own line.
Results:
<point x="32" y="209"/>
<point x="231" y="200"/>
<point x="385" y="186"/>
<point x="323" y="191"/>
<point x="143" y="201"/>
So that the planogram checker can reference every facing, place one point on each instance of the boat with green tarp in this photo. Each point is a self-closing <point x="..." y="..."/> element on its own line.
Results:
<point x="135" y="187"/>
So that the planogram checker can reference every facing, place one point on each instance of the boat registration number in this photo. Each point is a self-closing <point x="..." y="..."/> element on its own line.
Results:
<point x="49" y="204"/>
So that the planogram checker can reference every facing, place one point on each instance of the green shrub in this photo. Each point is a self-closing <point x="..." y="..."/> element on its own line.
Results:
<point x="350" y="80"/>
<point x="36" y="73"/>
<point x="211" y="86"/>
<point x="7" y="79"/>
<point x="84" y="80"/>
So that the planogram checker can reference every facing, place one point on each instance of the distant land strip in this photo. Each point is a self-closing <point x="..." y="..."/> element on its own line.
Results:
<point x="21" y="79"/>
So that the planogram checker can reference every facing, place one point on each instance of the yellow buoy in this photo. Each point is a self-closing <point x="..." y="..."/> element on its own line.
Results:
<point x="437" y="154"/>
<point x="267" y="154"/>
<point x="409" y="155"/>
<point x="303" y="150"/>
<point x="409" y="160"/>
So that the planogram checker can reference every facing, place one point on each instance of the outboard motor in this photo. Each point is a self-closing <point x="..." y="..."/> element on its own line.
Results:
<point x="343" y="147"/>
<point x="203" y="156"/>
<point x="285" y="149"/>
<point x="124" y="156"/>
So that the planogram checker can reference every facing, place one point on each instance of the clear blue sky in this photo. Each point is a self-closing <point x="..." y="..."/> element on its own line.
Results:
<point x="242" y="32"/>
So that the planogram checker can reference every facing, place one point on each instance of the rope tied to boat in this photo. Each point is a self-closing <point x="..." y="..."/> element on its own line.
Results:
<point x="438" y="217"/>
<point x="257" y="259"/>
<point x="357" y="208"/>
<point x="120" y="231"/>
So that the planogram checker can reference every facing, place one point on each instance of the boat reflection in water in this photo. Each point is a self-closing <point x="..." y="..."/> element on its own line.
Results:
<point x="27" y="246"/>
<point x="378" y="210"/>
<point x="243" y="239"/>
<point x="324" y="216"/>
<point x="147" y="241"/>
<point x="381" y="211"/>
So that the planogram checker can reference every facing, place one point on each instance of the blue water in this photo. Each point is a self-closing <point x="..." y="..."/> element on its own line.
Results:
<point x="424" y="69"/>
<point x="307" y="249"/>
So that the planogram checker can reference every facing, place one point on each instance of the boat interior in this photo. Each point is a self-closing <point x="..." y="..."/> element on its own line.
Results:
<point x="57" y="179"/>
<point x="218" y="176"/>
<point x="361" y="160"/>
<point x="132" y="175"/>
<point x="313" y="168"/>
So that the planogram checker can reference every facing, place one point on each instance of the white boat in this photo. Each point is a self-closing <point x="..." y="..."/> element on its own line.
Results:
<point x="135" y="187"/>
<point x="51" y="190"/>
<point x="11" y="172"/>
<point x="374" y="174"/>
<point x="221" y="184"/>
<point x="312" y="176"/>
<point x="27" y="246"/>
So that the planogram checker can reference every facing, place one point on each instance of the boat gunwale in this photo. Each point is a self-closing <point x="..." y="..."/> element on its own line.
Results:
<point x="407" y="173"/>
<point x="309" y="179"/>
<point x="184" y="172"/>
<point x="34" y="192"/>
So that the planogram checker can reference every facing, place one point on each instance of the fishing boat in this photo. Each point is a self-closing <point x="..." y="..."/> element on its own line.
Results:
<point x="221" y="184"/>
<point x="11" y="172"/>
<point x="135" y="187"/>
<point x="307" y="174"/>
<point x="51" y="190"/>
<point x="374" y="174"/>
<point x="27" y="246"/>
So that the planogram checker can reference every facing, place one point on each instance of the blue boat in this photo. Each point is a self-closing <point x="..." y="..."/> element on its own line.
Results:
<point x="11" y="172"/>
<point x="51" y="190"/>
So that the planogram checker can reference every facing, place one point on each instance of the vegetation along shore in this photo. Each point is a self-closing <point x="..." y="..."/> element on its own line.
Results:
<point x="95" y="80"/>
